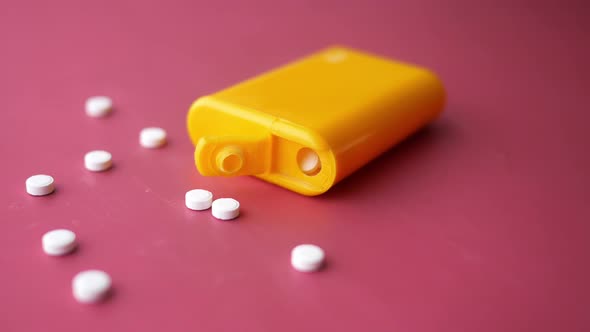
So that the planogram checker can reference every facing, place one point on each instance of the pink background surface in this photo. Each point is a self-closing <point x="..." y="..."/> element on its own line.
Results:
<point x="478" y="224"/>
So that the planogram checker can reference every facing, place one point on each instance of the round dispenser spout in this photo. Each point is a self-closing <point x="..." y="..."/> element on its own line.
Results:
<point x="231" y="156"/>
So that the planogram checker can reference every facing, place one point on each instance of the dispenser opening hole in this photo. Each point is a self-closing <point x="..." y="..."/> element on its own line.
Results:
<point x="309" y="161"/>
<point x="231" y="163"/>
<point x="229" y="160"/>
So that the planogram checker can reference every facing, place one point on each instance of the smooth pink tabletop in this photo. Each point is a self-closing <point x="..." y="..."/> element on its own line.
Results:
<point x="480" y="223"/>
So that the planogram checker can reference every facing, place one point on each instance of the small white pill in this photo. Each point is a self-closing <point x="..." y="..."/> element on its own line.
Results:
<point x="307" y="258"/>
<point x="58" y="242"/>
<point x="98" y="106"/>
<point x="225" y="208"/>
<point x="91" y="286"/>
<point x="309" y="161"/>
<point x="198" y="199"/>
<point x="152" y="137"/>
<point x="98" y="160"/>
<point x="40" y="185"/>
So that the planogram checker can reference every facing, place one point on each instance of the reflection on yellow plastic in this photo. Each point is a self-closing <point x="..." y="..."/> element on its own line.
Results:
<point x="309" y="124"/>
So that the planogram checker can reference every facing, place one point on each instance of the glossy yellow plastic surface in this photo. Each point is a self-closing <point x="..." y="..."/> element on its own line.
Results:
<point x="309" y="124"/>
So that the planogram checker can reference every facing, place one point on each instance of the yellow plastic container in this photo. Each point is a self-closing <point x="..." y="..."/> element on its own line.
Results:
<point x="311" y="123"/>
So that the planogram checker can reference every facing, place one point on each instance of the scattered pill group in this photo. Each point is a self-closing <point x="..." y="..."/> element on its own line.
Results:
<point x="221" y="208"/>
<point x="94" y="285"/>
<point x="87" y="286"/>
